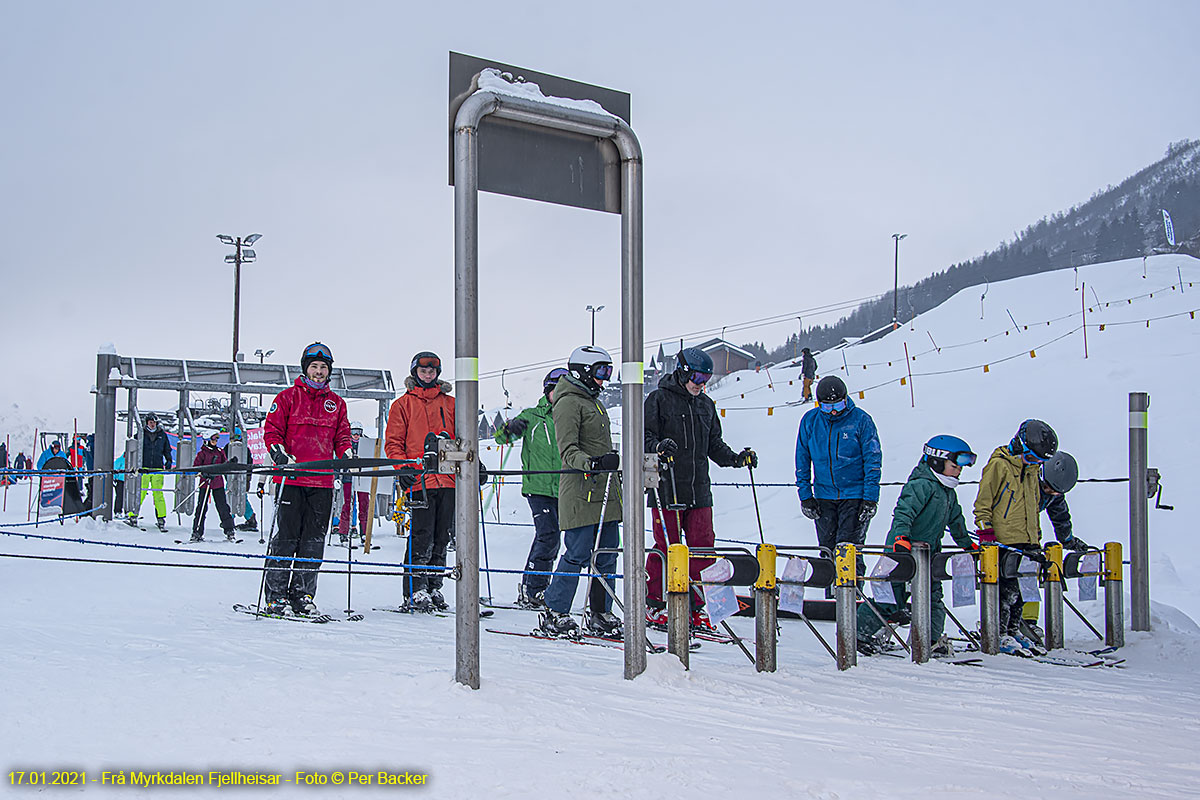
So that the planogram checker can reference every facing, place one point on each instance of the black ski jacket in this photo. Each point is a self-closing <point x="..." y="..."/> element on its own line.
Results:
<point x="808" y="366"/>
<point x="156" y="449"/>
<point x="693" y="422"/>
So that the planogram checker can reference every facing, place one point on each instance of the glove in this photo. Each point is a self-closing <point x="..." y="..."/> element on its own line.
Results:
<point x="747" y="458"/>
<point x="259" y="491"/>
<point x="606" y="462"/>
<point x="1076" y="544"/>
<point x="347" y="453"/>
<point x="483" y="473"/>
<point x="515" y="427"/>
<point x="809" y="508"/>
<point x="986" y="536"/>
<point x="233" y="460"/>
<point x="280" y="456"/>
<point x="866" y="510"/>
<point x="1035" y="555"/>
<point x="902" y="545"/>
<point x="667" y="448"/>
<point x="406" y="480"/>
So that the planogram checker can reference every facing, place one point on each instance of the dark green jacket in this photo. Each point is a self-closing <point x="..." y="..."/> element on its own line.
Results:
<point x="583" y="431"/>
<point x="539" y="449"/>
<point x="925" y="509"/>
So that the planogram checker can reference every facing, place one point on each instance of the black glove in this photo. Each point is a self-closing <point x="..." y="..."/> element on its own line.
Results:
<point x="747" y="458"/>
<point x="516" y="427"/>
<point x="608" y="461"/>
<point x="1035" y="555"/>
<point x="406" y="480"/>
<point x="280" y="456"/>
<point x="866" y="510"/>
<point x="233" y="460"/>
<point x="1076" y="544"/>
<point x="667" y="448"/>
<point x="809" y="508"/>
<point x="483" y="473"/>
<point x="260" y="490"/>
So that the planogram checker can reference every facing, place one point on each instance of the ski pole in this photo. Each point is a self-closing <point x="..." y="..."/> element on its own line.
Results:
<point x="274" y="516"/>
<point x="757" y="513"/>
<point x="483" y="530"/>
<point x="260" y="514"/>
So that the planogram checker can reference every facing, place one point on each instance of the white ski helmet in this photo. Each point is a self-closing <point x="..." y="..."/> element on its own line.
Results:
<point x="356" y="426"/>
<point x="590" y="364"/>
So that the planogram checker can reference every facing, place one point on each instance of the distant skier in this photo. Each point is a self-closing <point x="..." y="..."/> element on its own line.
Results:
<point x="211" y="486"/>
<point x="584" y="435"/>
<point x="1007" y="509"/>
<point x="346" y="524"/>
<point x="307" y="422"/>
<point x="156" y="455"/>
<point x="534" y="427"/>
<point x="55" y="450"/>
<point x="838" y="464"/>
<point x="683" y="427"/>
<point x="928" y="505"/>
<point x="426" y="408"/>
<point x="808" y="371"/>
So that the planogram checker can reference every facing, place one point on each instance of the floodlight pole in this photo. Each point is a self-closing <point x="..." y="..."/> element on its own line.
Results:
<point x="466" y="361"/>
<point x="896" y="282"/>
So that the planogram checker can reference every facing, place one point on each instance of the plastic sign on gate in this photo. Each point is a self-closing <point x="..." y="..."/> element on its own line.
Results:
<point x="258" y="447"/>
<point x="720" y="601"/>
<point x="882" y="590"/>
<point x="1090" y="563"/>
<point x="51" y="493"/>
<point x="791" y="595"/>
<point x="962" y="583"/>
<point x="1027" y="579"/>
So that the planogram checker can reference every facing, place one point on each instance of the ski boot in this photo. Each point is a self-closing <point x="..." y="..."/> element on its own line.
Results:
<point x="162" y="524"/>
<point x="439" y="603"/>
<point x="230" y="536"/>
<point x="554" y="625"/>
<point x="343" y="538"/>
<point x="305" y="607"/>
<point x="867" y="647"/>
<point x="701" y="622"/>
<point x="131" y="522"/>
<point x="197" y="537"/>
<point x="1029" y="644"/>
<point x="656" y="617"/>
<point x="1013" y="647"/>
<point x="278" y="607"/>
<point x="942" y="647"/>
<point x="249" y="525"/>
<point x="419" y="603"/>
<point x="603" y="624"/>
<point x="534" y="601"/>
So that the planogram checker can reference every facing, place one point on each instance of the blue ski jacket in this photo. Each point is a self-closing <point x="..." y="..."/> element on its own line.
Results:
<point x="838" y="458"/>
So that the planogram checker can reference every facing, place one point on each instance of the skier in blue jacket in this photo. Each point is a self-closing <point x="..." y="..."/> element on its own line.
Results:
<point x="838" y="464"/>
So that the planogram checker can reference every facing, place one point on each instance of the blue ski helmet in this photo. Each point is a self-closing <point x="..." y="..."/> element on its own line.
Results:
<point x="943" y="447"/>
<point x="693" y="359"/>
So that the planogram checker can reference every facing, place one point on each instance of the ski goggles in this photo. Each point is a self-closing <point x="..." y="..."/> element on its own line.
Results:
<point x="1030" y="457"/>
<point x="699" y="378"/>
<point x="356" y="434"/>
<point x="602" y="372"/>
<point x="318" y="351"/>
<point x="834" y="407"/>
<point x="963" y="459"/>
<point x="431" y="362"/>
<point x="553" y="378"/>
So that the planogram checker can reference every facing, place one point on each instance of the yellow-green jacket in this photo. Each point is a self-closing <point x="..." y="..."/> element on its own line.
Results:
<point x="1008" y="499"/>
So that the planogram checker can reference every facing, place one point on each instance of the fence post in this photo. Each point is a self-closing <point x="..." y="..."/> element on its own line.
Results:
<point x="1139" y="509"/>
<point x="922" y="621"/>
<point x="1053" y="595"/>
<point x="989" y="599"/>
<point x="847" y="620"/>
<point x="679" y="603"/>
<point x="1114" y="598"/>
<point x="765" y="610"/>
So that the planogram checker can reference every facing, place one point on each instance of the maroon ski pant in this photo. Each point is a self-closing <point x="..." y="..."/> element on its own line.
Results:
<point x="698" y="532"/>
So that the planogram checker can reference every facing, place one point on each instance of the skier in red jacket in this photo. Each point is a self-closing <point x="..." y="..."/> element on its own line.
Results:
<point x="307" y="422"/>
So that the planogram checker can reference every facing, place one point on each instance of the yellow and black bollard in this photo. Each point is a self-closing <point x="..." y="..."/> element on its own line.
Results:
<point x="846" y="583"/>
<point x="989" y="599"/>
<point x="766" y="601"/>
<point x="679" y="602"/>
<point x="1053" y="597"/>
<point x="1114" y="600"/>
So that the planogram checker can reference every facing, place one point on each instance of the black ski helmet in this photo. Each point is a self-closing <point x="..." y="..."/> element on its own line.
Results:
<point x="316" y="352"/>
<point x="1036" y="437"/>
<point x="425" y="358"/>
<point x="693" y="359"/>
<point x="1060" y="472"/>
<point x="151" y="416"/>
<point x="551" y="379"/>
<point x="831" y="389"/>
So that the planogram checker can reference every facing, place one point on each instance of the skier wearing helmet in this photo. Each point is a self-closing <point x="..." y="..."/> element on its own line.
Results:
<point x="928" y="505"/>
<point x="534" y="428"/>
<point x="838" y="464"/>
<point x="1006" y="511"/>
<point x="351" y="492"/>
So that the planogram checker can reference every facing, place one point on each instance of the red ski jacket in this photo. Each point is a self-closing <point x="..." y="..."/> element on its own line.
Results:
<point x="312" y="425"/>
<point x="415" y="414"/>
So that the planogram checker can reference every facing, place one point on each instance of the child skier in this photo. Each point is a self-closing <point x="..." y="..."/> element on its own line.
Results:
<point x="928" y="505"/>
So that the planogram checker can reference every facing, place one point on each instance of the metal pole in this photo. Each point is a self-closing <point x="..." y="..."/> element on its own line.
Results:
<point x="1053" y="593"/>
<point x="765" y="610"/>
<point x="1139" y="546"/>
<point x="922" y="612"/>
<point x="989" y="599"/>
<point x="106" y="423"/>
<point x="1114" y="599"/>
<point x="896" y="284"/>
<point x="237" y="294"/>
<point x="593" y="326"/>
<point x="632" y="399"/>
<point x="846" y="613"/>
<point x="466" y="392"/>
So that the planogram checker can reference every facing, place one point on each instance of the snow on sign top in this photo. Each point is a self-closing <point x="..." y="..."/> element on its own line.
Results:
<point x="493" y="80"/>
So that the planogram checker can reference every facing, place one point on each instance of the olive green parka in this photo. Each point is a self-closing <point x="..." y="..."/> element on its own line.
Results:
<point x="583" y="431"/>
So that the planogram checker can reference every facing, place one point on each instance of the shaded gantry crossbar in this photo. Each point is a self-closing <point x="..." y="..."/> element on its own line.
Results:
<point x="173" y="374"/>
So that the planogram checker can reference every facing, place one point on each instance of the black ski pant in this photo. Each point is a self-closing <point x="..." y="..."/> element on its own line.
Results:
<point x="1010" y="606"/>
<point x="427" y="540"/>
<point x="302" y="520"/>
<point x="837" y="523"/>
<point x="118" y="497"/>
<point x="222" y="504"/>
<point x="546" y="540"/>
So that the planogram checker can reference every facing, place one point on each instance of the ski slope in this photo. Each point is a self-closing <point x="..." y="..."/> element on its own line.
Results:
<point x="125" y="668"/>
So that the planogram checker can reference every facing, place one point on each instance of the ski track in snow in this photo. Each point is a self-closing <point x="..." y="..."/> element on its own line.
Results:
<point x="113" y="667"/>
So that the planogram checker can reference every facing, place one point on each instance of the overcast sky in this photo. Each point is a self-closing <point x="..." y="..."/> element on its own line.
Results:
<point x="784" y="143"/>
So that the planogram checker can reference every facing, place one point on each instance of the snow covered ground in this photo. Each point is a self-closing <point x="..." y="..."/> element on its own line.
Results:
<point x="120" y="668"/>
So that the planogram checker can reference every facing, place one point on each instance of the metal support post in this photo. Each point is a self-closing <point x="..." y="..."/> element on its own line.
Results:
<point x="1053" y="597"/>
<point x="237" y="483"/>
<point x="1139" y="506"/>
<point x="922" y="620"/>
<point x="989" y="599"/>
<point x="101" y="490"/>
<point x="133" y="479"/>
<point x="846" y="581"/>
<point x="766" y="603"/>
<point x="679" y="602"/>
<point x="1114" y="598"/>
<point x="185" y="456"/>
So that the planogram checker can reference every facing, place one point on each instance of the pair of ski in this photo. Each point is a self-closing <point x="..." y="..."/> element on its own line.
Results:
<point x="697" y="633"/>
<point x="209" y="541"/>
<point x="1073" y="658"/>
<point x="316" y="619"/>
<point x="587" y="639"/>
<point x="444" y="614"/>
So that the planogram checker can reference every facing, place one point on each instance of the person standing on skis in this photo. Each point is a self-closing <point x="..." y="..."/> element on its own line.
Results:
<point x="534" y="427"/>
<point x="211" y="485"/>
<point x="156" y="455"/>
<point x="584" y="436"/>
<point x="307" y="422"/>
<point x="426" y="408"/>
<point x="347" y="526"/>
<point x="683" y="427"/>
<point x="808" y="372"/>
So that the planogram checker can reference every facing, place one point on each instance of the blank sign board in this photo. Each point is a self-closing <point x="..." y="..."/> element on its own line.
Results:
<point x="539" y="163"/>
